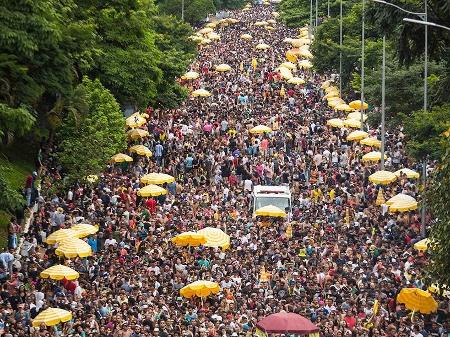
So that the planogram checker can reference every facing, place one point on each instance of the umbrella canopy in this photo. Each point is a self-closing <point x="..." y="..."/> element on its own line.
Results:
<point x="343" y="107"/>
<point x="334" y="101"/>
<point x="206" y="30"/>
<point x="271" y="210"/>
<point x="52" y="316"/>
<point x="201" y="93"/>
<point x="403" y="205"/>
<point x="223" y="67"/>
<point x="275" y="14"/>
<point x="189" y="239"/>
<point x="61" y="235"/>
<point x="157" y="178"/>
<point x="72" y="248"/>
<point x="271" y="21"/>
<point x="120" y="158"/>
<point x="84" y="229"/>
<point x="357" y="115"/>
<point x="335" y="122"/>
<point x="410" y="174"/>
<point x="59" y="272"/>
<point x="261" y="23"/>
<point x="289" y="65"/>
<point x="285" y="73"/>
<point x="270" y="28"/>
<point x="332" y="94"/>
<point x="357" y="135"/>
<point x="382" y="177"/>
<point x="371" y="141"/>
<point x="422" y="245"/>
<point x="299" y="42"/>
<point x="305" y="64"/>
<point x="357" y="105"/>
<point x="260" y="129"/>
<point x="205" y="41"/>
<point x="200" y="289"/>
<point x="190" y="75"/>
<point x="247" y="37"/>
<point x="213" y="36"/>
<point x="215" y="237"/>
<point x="135" y="120"/>
<point x="151" y="191"/>
<point x="352" y="123"/>
<point x="305" y="53"/>
<point x="286" y="322"/>
<point x="137" y="133"/>
<point x="380" y="198"/>
<point x="400" y="197"/>
<point x="296" y="81"/>
<point x="262" y="46"/>
<point x="373" y="156"/>
<point x="141" y="150"/>
<point x="417" y="300"/>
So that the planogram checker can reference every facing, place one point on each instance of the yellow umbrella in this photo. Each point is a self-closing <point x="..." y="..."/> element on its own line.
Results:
<point x="288" y="65"/>
<point x="61" y="235"/>
<point x="403" y="205"/>
<point x="213" y="36"/>
<point x="74" y="247"/>
<point x="201" y="93"/>
<point x="223" y="67"/>
<point x="120" y="158"/>
<point x="371" y="141"/>
<point x="212" y="24"/>
<point x="290" y="56"/>
<point x="305" y="64"/>
<point x="417" y="300"/>
<point x="357" y="135"/>
<point x="332" y="94"/>
<point x="285" y="73"/>
<point x="275" y="14"/>
<point x="325" y="84"/>
<point x="157" y="178"/>
<point x="380" y="198"/>
<point x="335" y="122"/>
<point x="260" y="129"/>
<point x="373" y="156"/>
<point x="334" y="102"/>
<point x="200" y="289"/>
<point x="205" y="41"/>
<point x="232" y="20"/>
<point x="190" y="75"/>
<point x="288" y="40"/>
<point x="135" y="120"/>
<point x="409" y="173"/>
<point x="400" y="197"/>
<point x="151" y="191"/>
<point x="137" y="133"/>
<point x="271" y="21"/>
<point x="382" y="177"/>
<point x="141" y="150"/>
<point x="206" y="30"/>
<point x="422" y="245"/>
<point x="262" y="46"/>
<point x="215" y="237"/>
<point x="272" y="211"/>
<point x="357" y="105"/>
<point x="270" y="28"/>
<point x="59" y="272"/>
<point x="331" y="88"/>
<point x="52" y="316"/>
<point x="189" y="239"/>
<point x="305" y="53"/>
<point x="352" y="123"/>
<point x="299" y="42"/>
<point x="296" y="80"/>
<point x="246" y="37"/>
<point x="356" y="115"/>
<point x="342" y="107"/>
<point x="84" y="229"/>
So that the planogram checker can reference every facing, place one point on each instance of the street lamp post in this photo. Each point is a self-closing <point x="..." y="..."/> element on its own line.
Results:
<point x="182" y="10"/>
<point x="340" y="47"/>
<point x="317" y="9"/>
<point x="310" y="19"/>
<point x="328" y="8"/>
<point x="362" y="66"/>
<point x="383" y="104"/>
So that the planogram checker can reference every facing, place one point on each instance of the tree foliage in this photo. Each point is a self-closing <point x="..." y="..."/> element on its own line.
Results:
<point x="11" y="200"/>
<point x="194" y="10"/>
<point x="88" y="143"/>
<point x="438" y="200"/>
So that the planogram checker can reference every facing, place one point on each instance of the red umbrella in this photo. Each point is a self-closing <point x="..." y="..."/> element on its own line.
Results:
<point x="286" y="322"/>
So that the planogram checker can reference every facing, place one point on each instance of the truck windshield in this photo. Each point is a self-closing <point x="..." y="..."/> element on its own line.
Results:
<point x="281" y="203"/>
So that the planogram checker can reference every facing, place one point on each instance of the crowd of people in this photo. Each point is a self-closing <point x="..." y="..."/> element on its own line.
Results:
<point x="345" y="252"/>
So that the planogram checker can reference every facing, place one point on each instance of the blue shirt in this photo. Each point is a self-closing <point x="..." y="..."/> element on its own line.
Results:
<point x="189" y="162"/>
<point x="159" y="150"/>
<point x="93" y="243"/>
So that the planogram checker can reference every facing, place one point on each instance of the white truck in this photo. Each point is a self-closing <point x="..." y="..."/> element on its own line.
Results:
<point x="279" y="196"/>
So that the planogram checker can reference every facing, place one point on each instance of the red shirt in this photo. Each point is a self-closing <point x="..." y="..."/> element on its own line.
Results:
<point x="151" y="205"/>
<point x="351" y="321"/>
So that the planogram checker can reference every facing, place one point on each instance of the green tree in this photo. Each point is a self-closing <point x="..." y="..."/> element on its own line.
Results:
<point x="87" y="144"/>
<point x="437" y="196"/>
<point x="11" y="200"/>
<point x="194" y="10"/>
<point x="424" y="132"/>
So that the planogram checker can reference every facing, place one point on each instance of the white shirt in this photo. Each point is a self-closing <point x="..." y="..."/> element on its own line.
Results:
<point x="110" y="242"/>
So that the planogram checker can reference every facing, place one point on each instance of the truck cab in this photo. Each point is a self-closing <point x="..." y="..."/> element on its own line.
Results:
<point x="279" y="196"/>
